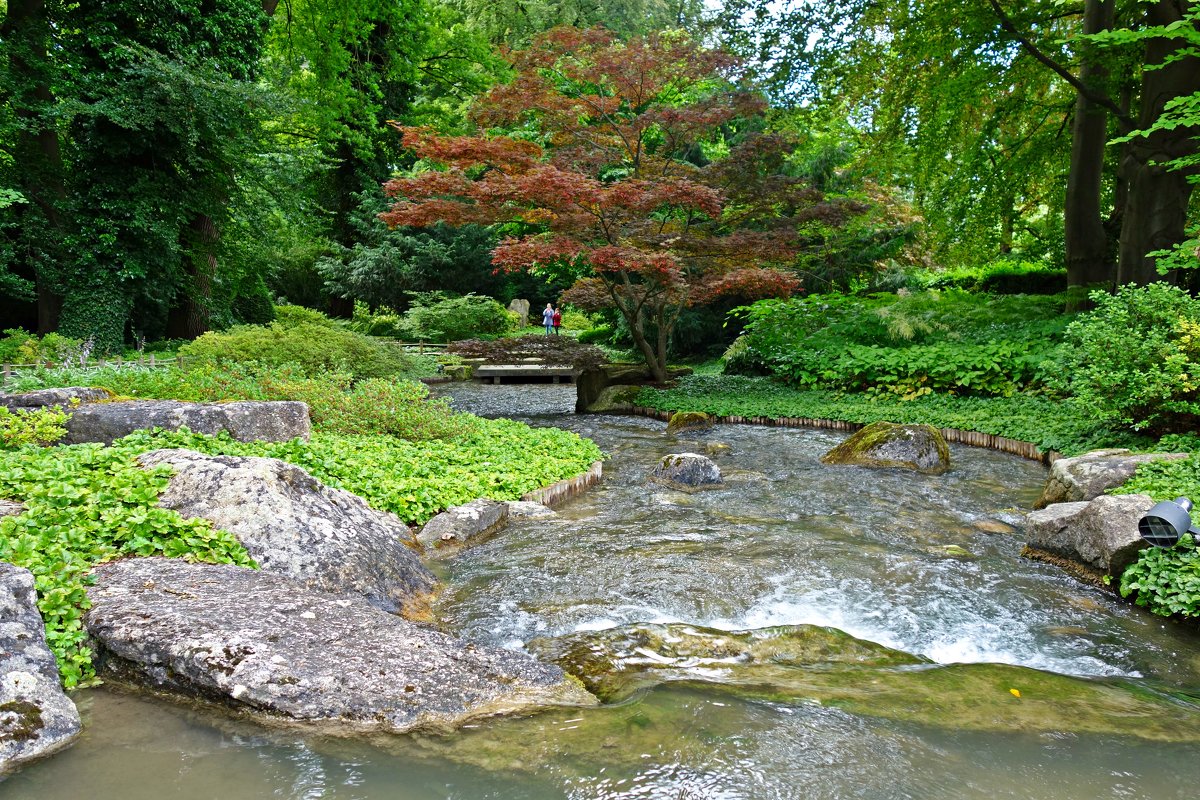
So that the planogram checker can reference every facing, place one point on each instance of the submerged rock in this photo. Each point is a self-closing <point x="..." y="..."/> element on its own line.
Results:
<point x="1090" y="475"/>
<point x="616" y="662"/>
<point x="808" y="664"/>
<point x="264" y="644"/>
<point x="884" y="444"/>
<point x="36" y="717"/>
<point x="294" y="525"/>
<point x="1100" y="534"/>
<point x="687" y="470"/>
<point x="44" y="398"/>
<point x="457" y="525"/>
<point x="246" y="421"/>
<point x="689" y="422"/>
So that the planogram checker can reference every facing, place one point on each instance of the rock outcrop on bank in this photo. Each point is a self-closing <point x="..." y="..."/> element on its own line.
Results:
<point x="36" y="717"/>
<point x="1100" y="534"/>
<point x="1090" y="475"/>
<point x="246" y="421"/>
<point x="294" y="525"/>
<point x="264" y="644"/>
<point x="887" y="445"/>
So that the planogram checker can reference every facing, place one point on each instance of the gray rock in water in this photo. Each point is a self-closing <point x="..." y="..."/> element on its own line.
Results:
<point x="245" y="421"/>
<point x="294" y="525"/>
<point x="687" y="469"/>
<point x="43" y="398"/>
<point x="1101" y="534"/>
<point x="457" y="525"/>
<point x="264" y="644"/>
<point x="1090" y="475"/>
<point x="885" y="444"/>
<point x="526" y="509"/>
<point x="36" y="717"/>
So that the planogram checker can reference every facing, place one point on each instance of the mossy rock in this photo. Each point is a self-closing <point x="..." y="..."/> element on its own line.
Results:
<point x="615" y="399"/>
<point x="887" y="445"/>
<point x="689" y="422"/>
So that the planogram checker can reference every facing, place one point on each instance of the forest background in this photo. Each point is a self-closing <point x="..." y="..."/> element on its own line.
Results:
<point x="173" y="167"/>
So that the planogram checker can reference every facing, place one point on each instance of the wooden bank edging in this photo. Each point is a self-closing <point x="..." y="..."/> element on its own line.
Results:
<point x="972" y="438"/>
<point x="557" y="493"/>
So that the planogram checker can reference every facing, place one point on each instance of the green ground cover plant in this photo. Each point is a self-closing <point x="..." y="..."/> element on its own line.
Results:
<point x="1046" y="422"/>
<point x="87" y="503"/>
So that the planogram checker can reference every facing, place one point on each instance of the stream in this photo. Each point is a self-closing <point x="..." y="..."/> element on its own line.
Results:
<point x="902" y="648"/>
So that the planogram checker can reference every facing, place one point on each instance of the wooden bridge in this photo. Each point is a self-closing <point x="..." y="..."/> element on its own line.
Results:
<point x="498" y="373"/>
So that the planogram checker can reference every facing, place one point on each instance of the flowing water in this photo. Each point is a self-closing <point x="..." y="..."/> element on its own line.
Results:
<point x="936" y="662"/>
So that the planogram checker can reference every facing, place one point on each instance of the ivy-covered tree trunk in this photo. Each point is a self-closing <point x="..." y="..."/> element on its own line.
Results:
<point x="1087" y="253"/>
<point x="191" y="317"/>
<point x="1156" y="213"/>
<point x="26" y="35"/>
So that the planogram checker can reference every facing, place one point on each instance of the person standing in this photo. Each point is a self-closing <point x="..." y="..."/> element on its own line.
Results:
<point x="557" y="318"/>
<point x="548" y="317"/>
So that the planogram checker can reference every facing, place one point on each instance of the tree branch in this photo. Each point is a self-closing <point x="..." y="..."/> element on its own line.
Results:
<point x="1099" y="98"/>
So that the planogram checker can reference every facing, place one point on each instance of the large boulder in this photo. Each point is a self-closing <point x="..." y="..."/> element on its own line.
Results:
<point x="885" y="444"/>
<point x="1101" y="534"/>
<point x="294" y="525"/>
<point x="591" y="382"/>
<point x="521" y="309"/>
<point x="36" y="717"/>
<point x="459" y="524"/>
<point x="45" y="398"/>
<point x="246" y="421"/>
<point x="1090" y="475"/>
<point x="687" y="470"/>
<point x="264" y="644"/>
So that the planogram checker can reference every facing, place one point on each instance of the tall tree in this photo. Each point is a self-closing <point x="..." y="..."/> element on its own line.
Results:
<point x="628" y="167"/>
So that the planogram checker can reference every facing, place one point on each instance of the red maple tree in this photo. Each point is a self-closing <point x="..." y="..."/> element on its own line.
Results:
<point x="606" y="168"/>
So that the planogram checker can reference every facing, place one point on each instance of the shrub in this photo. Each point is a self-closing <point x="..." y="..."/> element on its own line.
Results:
<point x="289" y="316"/>
<point x="380" y="322"/>
<point x="18" y="346"/>
<point x="36" y="426"/>
<point x="433" y="317"/>
<point x="1136" y="358"/>
<point x="309" y="347"/>
<point x="558" y="350"/>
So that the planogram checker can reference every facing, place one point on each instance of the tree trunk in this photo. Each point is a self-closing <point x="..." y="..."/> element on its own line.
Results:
<point x="39" y="156"/>
<point x="1087" y="253"/>
<point x="1156" y="214"/>
<point x="191" y="316"/>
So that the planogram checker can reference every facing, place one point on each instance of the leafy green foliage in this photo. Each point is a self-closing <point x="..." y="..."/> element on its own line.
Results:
<point x="21" y="347"/>
<point x="312" y="348"/>
<point x="1050" y="424"/>
<point x="1166" y="580"/>
<point x="86" y="504"/>
<point x="1135" y="359"/>
<point x="908" y="345"/>
<point x="34" y="426"/>
<point x="435" y="317"/>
